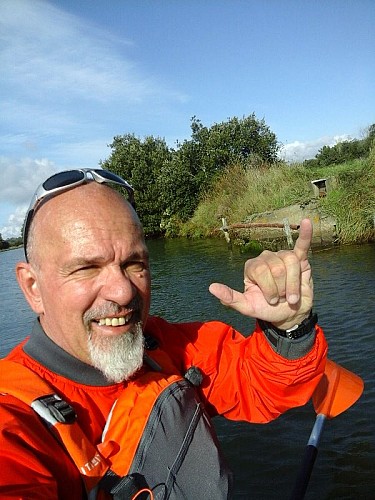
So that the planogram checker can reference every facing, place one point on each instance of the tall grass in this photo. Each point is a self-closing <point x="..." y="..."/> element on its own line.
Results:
<point x="352" y="203"/>
<point x="240" y="193"/>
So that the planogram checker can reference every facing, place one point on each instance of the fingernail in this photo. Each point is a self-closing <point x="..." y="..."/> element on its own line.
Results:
<point x="293" y="298"/>
<point x="274" y="301"/>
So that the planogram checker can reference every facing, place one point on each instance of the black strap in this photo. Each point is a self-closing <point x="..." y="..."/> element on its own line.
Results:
<point x="304" y="328"/>
<point x="123" y="488"/>
<point x="57" y="408"/>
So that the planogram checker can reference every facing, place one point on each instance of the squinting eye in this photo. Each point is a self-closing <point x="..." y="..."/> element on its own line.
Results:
<point x="85" y="270"/>
<point x="89" y="267"/>
<point x="135" y="267"/>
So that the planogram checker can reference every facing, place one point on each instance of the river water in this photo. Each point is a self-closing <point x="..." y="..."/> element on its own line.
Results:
<point x="265" y="458"/>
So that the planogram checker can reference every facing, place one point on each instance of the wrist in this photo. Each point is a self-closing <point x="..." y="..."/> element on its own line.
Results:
<point x="295" y="330"/>
<point x="291" y="324"/>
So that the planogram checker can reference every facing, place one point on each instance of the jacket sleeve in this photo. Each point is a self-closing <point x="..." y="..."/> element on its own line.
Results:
<point x="32" y="464"/>
<point x="244" y="378"/>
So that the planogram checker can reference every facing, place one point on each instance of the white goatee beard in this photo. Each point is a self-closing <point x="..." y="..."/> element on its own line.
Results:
<point x="118" y="358"/>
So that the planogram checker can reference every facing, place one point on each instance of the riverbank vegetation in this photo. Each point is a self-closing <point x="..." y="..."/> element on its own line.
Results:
<point x="239" y="193"/>
<point x="170" y="183"/>
<point x="232" y="170"/>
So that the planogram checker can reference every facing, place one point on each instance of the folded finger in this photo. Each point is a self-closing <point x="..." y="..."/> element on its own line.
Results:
<point x="293" y="276"/>
<point x="267" y="272"/>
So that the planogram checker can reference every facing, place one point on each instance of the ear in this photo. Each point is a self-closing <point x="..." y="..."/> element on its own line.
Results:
<point x="28" y="281"/>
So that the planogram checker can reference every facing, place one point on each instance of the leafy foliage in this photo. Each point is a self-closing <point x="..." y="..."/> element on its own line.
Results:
<point x="141" y="163"/>
<point x="232" y="141"/>
<point x="170" y="183"/>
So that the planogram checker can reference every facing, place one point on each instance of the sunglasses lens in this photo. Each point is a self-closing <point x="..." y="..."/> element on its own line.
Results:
<point x="62" y="179"/>
<point x="109" y="176"/>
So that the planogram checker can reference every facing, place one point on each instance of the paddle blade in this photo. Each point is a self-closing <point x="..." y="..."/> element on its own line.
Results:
<point x="337" y="390"/>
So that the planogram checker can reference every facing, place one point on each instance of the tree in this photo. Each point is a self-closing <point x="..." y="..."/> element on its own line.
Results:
<point x="370" y="137"/>
<point x="232" y="141"/>
<point x="170" y="183"/>
<point x="179" y="187"/>
<point x="344" y="151"/>
<point x="3" y="243"/>
<point x="140" y="163"/>
<point x="209" y="151"/>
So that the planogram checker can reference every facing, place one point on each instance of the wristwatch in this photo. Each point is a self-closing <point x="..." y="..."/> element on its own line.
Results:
<point x="295" y="332"/>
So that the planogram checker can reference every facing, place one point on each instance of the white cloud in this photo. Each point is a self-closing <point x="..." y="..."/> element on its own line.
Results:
<point x="67" y="86"/>
<point x="14" y="226"/>
<point x="20" y="178"/>
<point x="299" y="151"/>
<point x="18" y="181"/>
<point x="34" y="124"/>
<point x="49" y="54"/>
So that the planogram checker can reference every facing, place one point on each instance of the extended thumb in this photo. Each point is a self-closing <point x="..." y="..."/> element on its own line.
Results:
<point x="222" y="292"/>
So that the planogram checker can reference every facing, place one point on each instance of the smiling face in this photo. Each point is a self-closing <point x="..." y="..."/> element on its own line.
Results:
<point x="88" y="278"/>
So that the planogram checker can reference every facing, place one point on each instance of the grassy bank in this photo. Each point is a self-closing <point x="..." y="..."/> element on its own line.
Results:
<point x="241" y="192"/>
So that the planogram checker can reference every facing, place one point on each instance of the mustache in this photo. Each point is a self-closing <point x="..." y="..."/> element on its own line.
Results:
<point x="112" y="308"/>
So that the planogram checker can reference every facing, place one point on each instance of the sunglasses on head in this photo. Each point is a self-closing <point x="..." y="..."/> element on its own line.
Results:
<point x="68" y="179"/>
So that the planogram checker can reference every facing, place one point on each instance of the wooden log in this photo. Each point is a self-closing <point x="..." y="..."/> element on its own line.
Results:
<point x="249" y="225"/>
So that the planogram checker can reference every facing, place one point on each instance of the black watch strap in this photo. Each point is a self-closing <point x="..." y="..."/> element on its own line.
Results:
<point x="296" y="332"/>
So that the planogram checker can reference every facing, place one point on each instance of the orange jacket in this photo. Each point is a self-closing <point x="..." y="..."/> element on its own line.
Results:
<point x="244" y="379"/>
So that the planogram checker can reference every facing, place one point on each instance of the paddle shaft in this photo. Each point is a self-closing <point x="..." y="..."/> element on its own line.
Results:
<point x="308" y="460"/>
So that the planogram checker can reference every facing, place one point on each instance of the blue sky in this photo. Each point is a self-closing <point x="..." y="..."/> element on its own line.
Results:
<point x="75" y="73"/>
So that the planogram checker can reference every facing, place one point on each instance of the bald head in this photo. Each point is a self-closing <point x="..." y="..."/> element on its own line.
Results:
<point x="73" y="215"/>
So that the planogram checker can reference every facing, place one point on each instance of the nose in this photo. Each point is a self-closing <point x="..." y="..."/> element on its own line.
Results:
<point x="117" y="286"/>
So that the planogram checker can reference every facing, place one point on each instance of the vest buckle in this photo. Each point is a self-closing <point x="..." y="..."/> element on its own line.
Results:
<point x="58" y="409"/>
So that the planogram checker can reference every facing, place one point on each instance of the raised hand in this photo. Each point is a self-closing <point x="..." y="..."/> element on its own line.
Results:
<point x="278" y="285"/>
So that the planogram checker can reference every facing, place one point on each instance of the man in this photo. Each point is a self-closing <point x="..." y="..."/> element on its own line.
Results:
<point x="143" y="390"/>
